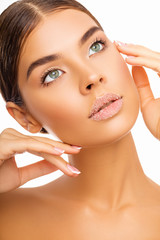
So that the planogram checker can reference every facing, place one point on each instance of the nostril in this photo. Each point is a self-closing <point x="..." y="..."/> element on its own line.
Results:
<point x="89" y="86"/>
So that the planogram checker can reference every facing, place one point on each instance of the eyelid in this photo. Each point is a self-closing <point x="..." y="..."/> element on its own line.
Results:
<point x="44" y="75"/>
<point x="46" y="72"/>
<point x="99" y="40"/>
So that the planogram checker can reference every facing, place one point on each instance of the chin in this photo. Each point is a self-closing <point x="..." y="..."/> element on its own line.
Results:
<point x="102" y="136"/>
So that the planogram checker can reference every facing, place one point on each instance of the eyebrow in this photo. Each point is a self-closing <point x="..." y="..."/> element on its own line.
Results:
<point x="88" y="34"/>
<point x="53" y="57"/>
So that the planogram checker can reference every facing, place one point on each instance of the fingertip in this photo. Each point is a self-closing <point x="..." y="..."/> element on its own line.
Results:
<point x="73" y="170"/>
<point x="76" y="147"/>
<point x="119" y="43"/>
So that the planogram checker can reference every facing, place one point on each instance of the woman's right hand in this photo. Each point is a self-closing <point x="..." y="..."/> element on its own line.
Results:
<point x="13" y="142"/>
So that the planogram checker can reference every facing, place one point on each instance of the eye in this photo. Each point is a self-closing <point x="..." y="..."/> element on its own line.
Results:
<point x="51" y="76"/>
<point x="96" y="47"/>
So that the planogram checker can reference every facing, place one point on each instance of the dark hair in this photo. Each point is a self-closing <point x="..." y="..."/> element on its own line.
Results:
<point x="16" y="23"/>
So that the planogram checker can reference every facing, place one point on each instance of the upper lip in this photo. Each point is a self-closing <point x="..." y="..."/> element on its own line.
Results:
<point x="100" y="102"/>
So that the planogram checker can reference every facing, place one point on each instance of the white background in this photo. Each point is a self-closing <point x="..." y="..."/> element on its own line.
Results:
<point x="128" y="21"/>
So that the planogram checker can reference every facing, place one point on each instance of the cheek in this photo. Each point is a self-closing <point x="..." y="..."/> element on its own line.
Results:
<point x="126" y="84"/>
<point x="65" y="113"/>
<point x="119" y="80"/>
<point x="59" y="112"/>
<point x="130" y="93"/>
<point x="116" y="70"/>
<point x="118" y="76"/>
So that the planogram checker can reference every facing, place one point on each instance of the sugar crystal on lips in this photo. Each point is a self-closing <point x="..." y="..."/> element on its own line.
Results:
<point x="102" y="102"/>
<point x="106" y="107"/>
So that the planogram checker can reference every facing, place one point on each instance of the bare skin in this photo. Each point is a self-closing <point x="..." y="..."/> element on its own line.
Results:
<point x="112" y="198"/>
<point x="66" y="209"/>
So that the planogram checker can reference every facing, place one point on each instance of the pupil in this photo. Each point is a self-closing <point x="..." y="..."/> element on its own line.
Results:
<point x="95" y="47"/>
<point x="53" y="74"/>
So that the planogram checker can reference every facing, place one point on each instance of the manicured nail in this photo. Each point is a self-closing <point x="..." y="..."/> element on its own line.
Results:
<point x="76" y="147"/>
<point x="120" y="43"/>
<point x="59" y="150"/>
<point x="73" y="169"/>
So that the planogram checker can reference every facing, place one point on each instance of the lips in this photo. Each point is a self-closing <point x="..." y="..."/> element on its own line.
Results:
<point x="103" y="102"/>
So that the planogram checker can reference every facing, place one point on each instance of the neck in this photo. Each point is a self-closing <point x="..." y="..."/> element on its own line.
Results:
<point x="110" y="175"/>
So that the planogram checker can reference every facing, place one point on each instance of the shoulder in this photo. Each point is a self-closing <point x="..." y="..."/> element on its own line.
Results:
<point x="148" y="206"/>
<point x="17" y="194"/>
<point x="13" y="206"/>
<point x="25" y="209"/>
<point x="154" y="192"/>
<point x="14" y="201"/>
<point x="27" y="200"/>
<point x="21" y="198"/>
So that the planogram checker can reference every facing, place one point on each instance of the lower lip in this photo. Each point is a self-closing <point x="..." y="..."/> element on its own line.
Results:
<point x="109" y="111"/>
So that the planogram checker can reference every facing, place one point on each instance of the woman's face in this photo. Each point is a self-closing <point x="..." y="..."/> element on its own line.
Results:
<point x="61" y="73"/>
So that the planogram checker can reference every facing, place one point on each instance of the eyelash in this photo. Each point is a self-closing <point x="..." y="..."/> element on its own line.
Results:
<point x="97" y="40"/>
<point x="45" y="74"/>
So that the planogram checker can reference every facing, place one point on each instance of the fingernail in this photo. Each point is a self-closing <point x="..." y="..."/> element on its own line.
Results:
<point x="76" y="147"/>
<point x="73" y="169"/>
<point x="120" y="43"/>
<point x="59" y="150"/>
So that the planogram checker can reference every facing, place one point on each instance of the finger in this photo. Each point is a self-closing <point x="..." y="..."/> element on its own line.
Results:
<point x="136" y="50"/>
<point x="148" y="62"/>
<point x="66" y="147"/>
<point x="142" y="82"/>
<point x="61" y="164"/>
<point x="42" y="168"/>
<point x="10" y="148"/>
<point x="35" y="170"/>
<point x="13" y="142"/>
<point x="57" y="144"/>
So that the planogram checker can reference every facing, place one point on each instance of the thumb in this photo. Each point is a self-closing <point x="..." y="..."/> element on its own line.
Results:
<point x="142" y="82"/>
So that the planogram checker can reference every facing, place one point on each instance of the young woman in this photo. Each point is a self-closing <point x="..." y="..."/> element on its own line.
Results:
<point x="61" y="74"/>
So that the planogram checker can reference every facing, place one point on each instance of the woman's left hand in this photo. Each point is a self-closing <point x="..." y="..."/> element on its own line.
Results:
<point x="139" y="56"/>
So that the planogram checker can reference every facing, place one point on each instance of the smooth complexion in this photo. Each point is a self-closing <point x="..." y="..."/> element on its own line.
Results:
<point x="63" y="106"/>
<point x="112" y="189"/>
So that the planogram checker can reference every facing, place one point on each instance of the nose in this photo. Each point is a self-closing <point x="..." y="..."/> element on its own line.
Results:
<point x="90" y="79"/>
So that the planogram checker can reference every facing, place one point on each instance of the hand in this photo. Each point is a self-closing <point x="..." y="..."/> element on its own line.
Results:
<point x="139" y="56"/>
<point x="13" y="142"/>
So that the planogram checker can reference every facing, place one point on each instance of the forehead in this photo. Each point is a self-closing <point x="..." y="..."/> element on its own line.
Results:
<point x="56" y="31"/>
